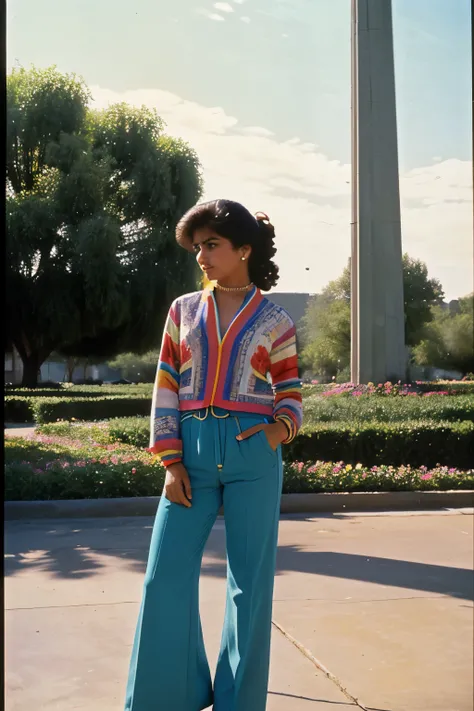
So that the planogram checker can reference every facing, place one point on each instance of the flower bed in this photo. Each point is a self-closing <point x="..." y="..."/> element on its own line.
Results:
<point x="388" y="389"/>
<point x="85" y="465"/>
<point x="303" y="478"/>
<point x="47" y="467"/>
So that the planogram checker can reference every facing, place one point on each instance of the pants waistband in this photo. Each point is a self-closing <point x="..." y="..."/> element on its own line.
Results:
<point x="220" y="414"/>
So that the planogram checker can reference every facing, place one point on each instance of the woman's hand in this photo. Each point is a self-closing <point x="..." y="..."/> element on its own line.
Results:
<point x="276" y="433"/>
<point x="177" y="485"/>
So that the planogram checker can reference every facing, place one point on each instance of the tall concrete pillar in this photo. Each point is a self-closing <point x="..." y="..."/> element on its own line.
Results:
<point x="378" y="340"/>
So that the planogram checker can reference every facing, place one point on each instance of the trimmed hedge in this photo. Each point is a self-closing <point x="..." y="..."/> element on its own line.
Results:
<point x="369" y="443"/>
<point x="82" y="390"/>
<point x="440" y="408"/>
<point x="18" y="409"/>
<point x="24" y="404"/>
<point x="416" y="443"/>
<point x="53" y="409"/>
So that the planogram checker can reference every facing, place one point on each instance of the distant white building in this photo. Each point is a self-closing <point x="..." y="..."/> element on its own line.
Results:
<point x="55" y="371"/>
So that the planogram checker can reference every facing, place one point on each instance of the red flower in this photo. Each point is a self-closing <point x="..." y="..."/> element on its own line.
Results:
<point x="261" y="360"/>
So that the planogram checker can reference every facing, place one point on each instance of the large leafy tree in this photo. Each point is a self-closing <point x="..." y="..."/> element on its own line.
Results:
<point x="93" y="198"/>
<point x="327" y="322"/>
<point x="448" y="340"/>
<point x="421" y="294"/>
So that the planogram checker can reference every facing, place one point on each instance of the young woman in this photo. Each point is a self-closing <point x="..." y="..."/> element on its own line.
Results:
<point x="227" y="395"/>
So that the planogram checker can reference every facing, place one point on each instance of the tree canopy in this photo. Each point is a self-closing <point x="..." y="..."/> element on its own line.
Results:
<point x="327" y="322"/>
<point x="448" y="340"/>
<point x="93" y="199"/>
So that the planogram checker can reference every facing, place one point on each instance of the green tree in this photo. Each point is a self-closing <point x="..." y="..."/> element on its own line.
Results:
<point x="421" y="294"/>
<point x="327" y="322"/>
<point x="448" y="340"/>
<point x="137" y="368"/>
<point x="327" y="328"/>
<point x="93" y="198"/>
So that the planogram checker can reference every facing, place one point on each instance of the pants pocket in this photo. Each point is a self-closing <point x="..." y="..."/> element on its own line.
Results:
<point x="266" y="442"/>
<point x="255" y="444"/>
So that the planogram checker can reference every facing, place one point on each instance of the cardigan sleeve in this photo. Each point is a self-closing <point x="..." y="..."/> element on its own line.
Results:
<point x="165" y="435"/>
<point x="287" y="386"/>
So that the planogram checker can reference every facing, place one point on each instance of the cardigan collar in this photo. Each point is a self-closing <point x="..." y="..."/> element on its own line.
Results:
<point x="252" y="300"/>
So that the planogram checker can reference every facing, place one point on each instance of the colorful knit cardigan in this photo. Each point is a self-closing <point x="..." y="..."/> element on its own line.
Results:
<point x="252" y="368"/>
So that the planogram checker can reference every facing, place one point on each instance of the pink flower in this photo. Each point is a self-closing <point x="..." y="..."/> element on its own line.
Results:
<point x="134" y="471"/>
<point x="425" y="477"/>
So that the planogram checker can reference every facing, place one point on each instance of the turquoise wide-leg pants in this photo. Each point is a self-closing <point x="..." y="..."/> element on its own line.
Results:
<point x="169" y="670"/>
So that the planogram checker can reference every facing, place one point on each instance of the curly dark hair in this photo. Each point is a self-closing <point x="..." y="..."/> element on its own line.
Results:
<point x="233" y="221"/>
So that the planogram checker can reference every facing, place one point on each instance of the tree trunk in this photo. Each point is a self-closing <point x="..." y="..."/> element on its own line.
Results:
<point x="31" y="369"/>
<point x="71" y="365"/>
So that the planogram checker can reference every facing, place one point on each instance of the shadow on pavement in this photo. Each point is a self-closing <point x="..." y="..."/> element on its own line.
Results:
<point x="71" y="549"/>
<point x="425" y="577"/>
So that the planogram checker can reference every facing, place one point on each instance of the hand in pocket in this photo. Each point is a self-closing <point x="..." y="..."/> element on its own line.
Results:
<point x="275" y="433"/>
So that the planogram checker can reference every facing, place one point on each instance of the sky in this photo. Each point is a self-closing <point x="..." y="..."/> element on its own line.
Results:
<point x="261" y="90"/>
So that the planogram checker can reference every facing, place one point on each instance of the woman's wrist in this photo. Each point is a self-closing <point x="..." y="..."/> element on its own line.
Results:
<point x="283" y="430"/>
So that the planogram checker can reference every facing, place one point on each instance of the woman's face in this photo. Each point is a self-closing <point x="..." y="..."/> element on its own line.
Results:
<point x="218" y="258"/>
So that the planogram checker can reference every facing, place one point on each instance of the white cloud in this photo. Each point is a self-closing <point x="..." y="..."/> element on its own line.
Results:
<point x="223" y="7"/>
<point x="210" y="15"/>
<point x="238" y="2"/>
<point x="307" y="195"/>
<point x="255" y="131"/>
<point x="246" y="19"/>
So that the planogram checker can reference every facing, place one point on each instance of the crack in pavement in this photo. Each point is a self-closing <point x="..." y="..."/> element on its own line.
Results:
<point x="81" y="604"/>
<point x="319" y="665"/>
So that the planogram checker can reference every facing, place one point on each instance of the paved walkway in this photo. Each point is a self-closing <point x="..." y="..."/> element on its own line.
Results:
<point x="23" y="429"/>
<point x="383" y="602"/>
